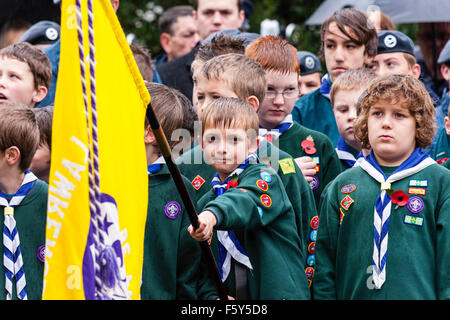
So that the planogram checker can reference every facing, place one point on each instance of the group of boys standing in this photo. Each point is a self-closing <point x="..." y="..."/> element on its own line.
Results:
<point x="266" y="167"/>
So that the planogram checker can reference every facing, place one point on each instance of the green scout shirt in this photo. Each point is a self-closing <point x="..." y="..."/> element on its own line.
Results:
<point x="328" y="163"/>
<point x="31" y="218"/>
<point x="441" y="150"/>
<point x="446" y="164"/>
<point x="266" y="220"/>
<point x="171" y="257"/>
<point x="418" y="254"/>
<point x="314" y="111"/>
<point x="193" y="166"/>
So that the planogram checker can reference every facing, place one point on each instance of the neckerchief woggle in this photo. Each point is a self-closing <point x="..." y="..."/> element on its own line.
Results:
<point x="325" y="87"/>
<point x="344" y="154"/>
<point x="276" y="132"/>
<point x="12" y="255"/>
<point x="416" y="162"/>
<point x="228" y="245"/>
<point x="156" y="166"/>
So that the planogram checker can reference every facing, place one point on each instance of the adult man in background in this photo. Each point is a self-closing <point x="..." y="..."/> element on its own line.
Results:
<point x="210" y="16"/>
<point x="178" y="33"/>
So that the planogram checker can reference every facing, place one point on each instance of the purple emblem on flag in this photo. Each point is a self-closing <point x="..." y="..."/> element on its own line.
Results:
<point x="172" y="209"/>
<point x="111" y="273"/>
<point x="415" y="204"/>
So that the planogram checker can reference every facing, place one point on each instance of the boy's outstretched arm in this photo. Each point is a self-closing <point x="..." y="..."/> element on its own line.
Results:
<point x="206" y="222"/>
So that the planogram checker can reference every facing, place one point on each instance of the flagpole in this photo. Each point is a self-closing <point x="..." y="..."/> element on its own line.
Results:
<point x="185" y="197"/>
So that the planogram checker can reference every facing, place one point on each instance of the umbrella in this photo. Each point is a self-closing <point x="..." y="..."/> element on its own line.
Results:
<point x="400" y="11"/>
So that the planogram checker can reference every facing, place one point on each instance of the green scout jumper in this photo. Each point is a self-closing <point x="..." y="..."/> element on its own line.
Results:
<point x="171" y="256"/>
<point x="441" y="150"/>
<point x="418" y="252"/>
<point x="269" y="235"/>
<point x="193" y="166"/>
<point x="31" y="219"/>
<point x="446" y="164"/>
<point x="314" y="111"/>
<point x="328" y="163"/>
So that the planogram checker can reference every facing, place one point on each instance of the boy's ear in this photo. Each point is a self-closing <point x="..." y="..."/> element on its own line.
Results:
<point x="447" y="125"/>
<point x="254" y="102"/>
<point x="415" y="71"/>
<point x="12" y="155"/>
<point x="39" y="94"/>
<point x="149" y="137"/>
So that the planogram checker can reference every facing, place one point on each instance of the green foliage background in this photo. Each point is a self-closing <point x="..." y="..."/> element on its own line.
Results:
<point x="140" y="17"/>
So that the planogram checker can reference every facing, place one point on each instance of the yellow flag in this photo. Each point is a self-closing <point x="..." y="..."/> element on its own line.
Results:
<point x="90" y="258"/>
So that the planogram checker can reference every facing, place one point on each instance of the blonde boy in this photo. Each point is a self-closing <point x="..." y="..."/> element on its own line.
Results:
<point x="25" y="74"/>
<point x="250" y="198"/>
<point x="394" y="205"/>
<point x="23" y="199"/>
<point x="344" y="96"/>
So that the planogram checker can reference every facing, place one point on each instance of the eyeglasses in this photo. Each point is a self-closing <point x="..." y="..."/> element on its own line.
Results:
<point x="287" y="94"/>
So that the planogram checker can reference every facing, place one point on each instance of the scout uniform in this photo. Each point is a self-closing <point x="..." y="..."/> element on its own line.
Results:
<point x="375" y="246"/>
<point x="446" y="164"/>
<point x="347" y="154"/>
<point x="299" y="141"/>
<point x="257" y="208"/>
<point x="193" y="166"/>
<point x="30" y="216"/>
<point x="314" y="111"/>
<point x="171" y="256"/>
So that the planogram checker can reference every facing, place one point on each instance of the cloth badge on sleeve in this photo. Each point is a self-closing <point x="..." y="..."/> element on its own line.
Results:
<point x="314" y="222"/>
<point x="418" y="183"/>
<point x="311" y="260"/>
<point x="414" y="220"/>
<point x="261" y="184"/>
<point x="41" y="253"/>
<point x="312" y="247"/>
<point x="265" y="176"/>
<point x="260" y="211"/>
<point x="198" y="182"/>
<point x="287" y="165"/>
<point x="349" y="188"/>
<point x="314" y="184"/>
<point x="347" y="202"/>
<point x="313" y="235"/>
<point x="420" y="191"/>
<point x="266" y="200"/>
<point x="342" y="215"/>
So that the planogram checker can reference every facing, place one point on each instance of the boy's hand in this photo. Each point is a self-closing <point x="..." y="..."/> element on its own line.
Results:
<point x="307" y="166"/>
<point x="206" y="221"/>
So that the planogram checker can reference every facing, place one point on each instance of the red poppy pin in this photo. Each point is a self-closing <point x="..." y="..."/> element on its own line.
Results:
<point x="233" y="183"/>
<point x="308" y="145"/>
<point x="399" y="198"/>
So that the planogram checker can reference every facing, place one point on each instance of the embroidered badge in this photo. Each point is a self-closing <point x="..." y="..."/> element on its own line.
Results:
<point x="198" y="182"/>
<point x="266" y="200"/>
<point x="316" y="159"/>
<point x="41" y="253"/>
<point x="341" y="216"/>
<point x="415" y="204"/>
<point x="260" y="211"/>
<point x="265" y="176"/>
<point x="172" y="209"/>
<point x="312" y="247"/>
<point x="420" y="191"/>
<point x="311" y="260"/>
<point x="347" y="202"/>
<point x="418" y="183"/>
<point x="313" y="235"/>
<point x="261" y="184"/>
<point x="309" y="272"/>
<point x="314" y="222"/>
<point x="210" y="238"/>
<point x="314" y="184"/>
<point x="243" y="190"/>
<point x="441" y="161"/>
<point x="414" y="220"/>
<point x="287" y="165"/>
<point x="349" y="188"/>
<point x="317" y="168"/>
